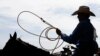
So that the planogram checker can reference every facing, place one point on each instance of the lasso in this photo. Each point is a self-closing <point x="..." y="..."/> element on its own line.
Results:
<point x="46" y="30"/>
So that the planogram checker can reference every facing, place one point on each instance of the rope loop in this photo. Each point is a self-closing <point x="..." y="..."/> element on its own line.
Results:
<point x="46" y="30"/>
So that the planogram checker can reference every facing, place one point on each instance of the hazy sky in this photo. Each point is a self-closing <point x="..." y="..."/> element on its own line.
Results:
<point x="56" y="12"/>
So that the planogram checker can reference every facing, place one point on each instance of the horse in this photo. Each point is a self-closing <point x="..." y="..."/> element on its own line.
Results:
<point x="16" y="47"/>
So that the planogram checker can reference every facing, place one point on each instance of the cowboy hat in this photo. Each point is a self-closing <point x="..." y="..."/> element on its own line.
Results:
<point x="84" y="9"/>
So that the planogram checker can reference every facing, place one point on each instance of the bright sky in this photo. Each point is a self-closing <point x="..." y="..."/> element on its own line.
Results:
<point x="56" y="12"/>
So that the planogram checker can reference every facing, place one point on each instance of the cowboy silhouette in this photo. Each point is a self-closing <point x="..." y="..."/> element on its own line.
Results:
<point x="84" y="35"/>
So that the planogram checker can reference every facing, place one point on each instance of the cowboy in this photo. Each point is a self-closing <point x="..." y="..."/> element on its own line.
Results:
<point x="84" y="35"/>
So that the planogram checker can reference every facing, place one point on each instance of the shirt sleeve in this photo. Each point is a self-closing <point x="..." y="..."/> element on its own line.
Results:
<point x="74" y="37"/>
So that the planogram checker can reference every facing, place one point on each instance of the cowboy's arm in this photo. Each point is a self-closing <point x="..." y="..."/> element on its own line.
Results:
<point x="73" y="38"/>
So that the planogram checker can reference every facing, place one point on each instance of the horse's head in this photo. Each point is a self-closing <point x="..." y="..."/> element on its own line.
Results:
<point x="15" y="43"/>
<point x="16" y="47"/>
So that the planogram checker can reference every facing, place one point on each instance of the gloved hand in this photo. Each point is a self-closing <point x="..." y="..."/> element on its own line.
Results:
<point x="58" y="31"/>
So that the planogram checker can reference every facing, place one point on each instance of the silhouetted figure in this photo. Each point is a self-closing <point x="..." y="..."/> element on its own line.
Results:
<point x="84" y="35"/>
<point x="16" y="47"/>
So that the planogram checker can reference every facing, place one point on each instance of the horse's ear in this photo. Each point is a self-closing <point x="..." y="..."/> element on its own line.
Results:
<point x="15" y="35"/>
<point x="10" y="36"/>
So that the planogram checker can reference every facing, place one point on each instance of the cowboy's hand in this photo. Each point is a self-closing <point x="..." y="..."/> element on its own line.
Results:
<point x="58" y="31"/>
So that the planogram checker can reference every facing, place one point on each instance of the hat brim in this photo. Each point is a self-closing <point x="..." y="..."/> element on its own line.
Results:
<point x="90" y="13"/>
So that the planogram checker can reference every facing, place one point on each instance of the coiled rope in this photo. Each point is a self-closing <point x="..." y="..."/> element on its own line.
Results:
<point x="46" y="30"/>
